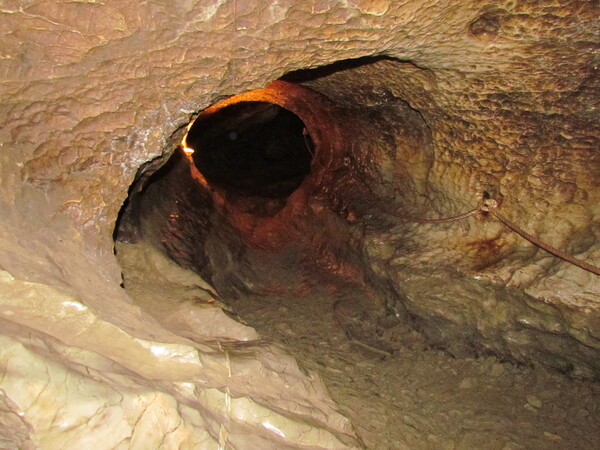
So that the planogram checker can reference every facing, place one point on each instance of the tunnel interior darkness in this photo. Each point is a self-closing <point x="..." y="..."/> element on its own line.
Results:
<point x="252" y="148"/>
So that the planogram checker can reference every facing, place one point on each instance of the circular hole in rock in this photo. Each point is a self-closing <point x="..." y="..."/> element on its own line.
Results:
<point x="252" y="149"/>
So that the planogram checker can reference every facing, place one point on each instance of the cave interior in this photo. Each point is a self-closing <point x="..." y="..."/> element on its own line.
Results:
<point x="318" y="186"/>
<point x="325" y="225"/>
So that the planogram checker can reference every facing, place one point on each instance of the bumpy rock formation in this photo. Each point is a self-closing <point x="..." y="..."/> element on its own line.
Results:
<point x="437" y="104"/>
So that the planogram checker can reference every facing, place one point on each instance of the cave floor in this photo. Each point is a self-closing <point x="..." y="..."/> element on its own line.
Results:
<point x="414" y="398"/>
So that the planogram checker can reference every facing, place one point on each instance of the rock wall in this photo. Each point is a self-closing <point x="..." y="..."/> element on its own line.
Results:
<point x="91" y="92"/>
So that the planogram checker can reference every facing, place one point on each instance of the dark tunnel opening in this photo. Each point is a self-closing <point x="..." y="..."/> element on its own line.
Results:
<point x="252" y="149"/>
<point x="271" y="191"/>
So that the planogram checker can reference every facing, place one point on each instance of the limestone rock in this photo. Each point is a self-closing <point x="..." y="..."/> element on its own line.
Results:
<point x="505" y="98"/>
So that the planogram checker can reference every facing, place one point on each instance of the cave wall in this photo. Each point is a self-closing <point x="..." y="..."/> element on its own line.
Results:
<point x="474" y="285"/>
<point x="93" y="91"/>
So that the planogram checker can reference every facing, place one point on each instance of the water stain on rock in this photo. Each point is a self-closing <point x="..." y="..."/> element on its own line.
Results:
<point x="486" y="252"/>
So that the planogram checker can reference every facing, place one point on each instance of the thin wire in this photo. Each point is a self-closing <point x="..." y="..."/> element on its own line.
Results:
<point x="491" y="206"/>
<point x="447" y="219"/>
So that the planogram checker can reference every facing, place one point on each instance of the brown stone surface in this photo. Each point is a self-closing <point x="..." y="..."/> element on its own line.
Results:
<point x="507" y="95"/>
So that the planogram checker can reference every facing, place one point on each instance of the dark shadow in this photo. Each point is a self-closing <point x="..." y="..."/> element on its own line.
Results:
<point x="252" y="149"/>
<point x="305" y="75"/>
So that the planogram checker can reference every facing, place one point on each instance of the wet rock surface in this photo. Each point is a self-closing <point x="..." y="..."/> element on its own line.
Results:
<point x="458" y="99"/>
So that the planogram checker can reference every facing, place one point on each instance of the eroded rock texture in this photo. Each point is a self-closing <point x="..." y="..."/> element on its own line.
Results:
<point x="471" y="97"/>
